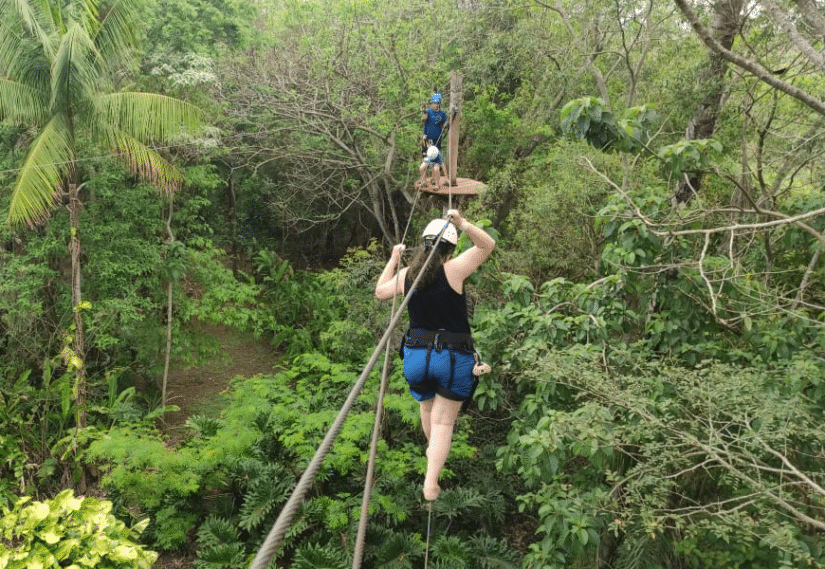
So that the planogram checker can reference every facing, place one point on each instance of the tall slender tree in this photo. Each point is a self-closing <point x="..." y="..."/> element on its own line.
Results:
<point x="59" y="61"/>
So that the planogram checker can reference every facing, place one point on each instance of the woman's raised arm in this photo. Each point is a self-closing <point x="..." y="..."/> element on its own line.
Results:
<point x="388" y="284"/>
<point x="483" y="244"/>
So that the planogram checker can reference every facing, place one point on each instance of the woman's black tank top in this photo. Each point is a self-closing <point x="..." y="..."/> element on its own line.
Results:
<point x="437" y="306"/>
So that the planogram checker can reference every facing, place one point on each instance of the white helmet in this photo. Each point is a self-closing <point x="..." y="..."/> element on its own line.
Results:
<point x="432" y="153"/>
<point x="433" y="228"/>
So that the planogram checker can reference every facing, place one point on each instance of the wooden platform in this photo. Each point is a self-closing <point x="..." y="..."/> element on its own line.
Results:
<point x="463" y="186"/>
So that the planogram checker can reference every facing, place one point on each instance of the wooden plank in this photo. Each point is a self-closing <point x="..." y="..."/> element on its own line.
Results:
<point x="454" y="117"/>
<point x="462" y="186"/>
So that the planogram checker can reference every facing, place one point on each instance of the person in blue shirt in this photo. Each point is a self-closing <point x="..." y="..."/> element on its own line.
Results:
<point x="438" y="348"/>
<point x="435" y="124"/>
<point x="435" y="127"/>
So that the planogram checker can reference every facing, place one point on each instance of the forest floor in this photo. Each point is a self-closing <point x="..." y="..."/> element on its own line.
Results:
<point x="198" y="390"/>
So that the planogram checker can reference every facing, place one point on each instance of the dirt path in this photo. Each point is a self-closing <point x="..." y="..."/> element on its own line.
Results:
<point x="197" y="389"/>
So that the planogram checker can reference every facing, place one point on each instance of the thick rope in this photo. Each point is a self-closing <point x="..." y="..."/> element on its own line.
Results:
<point x="368" y="483"/>
<point x="358" y="552"/>
<point x="427" y="544"/>
<point x="279" y="529"/>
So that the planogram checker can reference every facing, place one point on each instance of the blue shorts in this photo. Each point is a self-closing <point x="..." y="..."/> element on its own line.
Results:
<point x="428" y="378"/>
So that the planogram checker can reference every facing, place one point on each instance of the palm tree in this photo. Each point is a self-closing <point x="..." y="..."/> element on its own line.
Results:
<point x="58" y="61"/>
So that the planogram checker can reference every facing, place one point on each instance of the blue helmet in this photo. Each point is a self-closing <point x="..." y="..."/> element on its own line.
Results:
<point x="436" y="98"/>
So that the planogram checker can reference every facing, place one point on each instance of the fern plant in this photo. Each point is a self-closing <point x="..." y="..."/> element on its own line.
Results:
<point x="220" y="545"/>
<point x="312" y="556"/>
<point x="269" y="490"/>
<point x="396" y="550"/>
<point x="451" y="551"/>
<point x="492" y="553"/>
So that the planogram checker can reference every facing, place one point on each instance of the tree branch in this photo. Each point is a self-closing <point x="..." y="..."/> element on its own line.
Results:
<point x="757" y="70"/>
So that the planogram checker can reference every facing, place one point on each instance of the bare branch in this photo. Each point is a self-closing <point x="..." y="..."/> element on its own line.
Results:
<point x="756" y="69"/>
<point x="784" y="22"/>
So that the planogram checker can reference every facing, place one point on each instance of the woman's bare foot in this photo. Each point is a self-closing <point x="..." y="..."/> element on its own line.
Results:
<point x="431" y="492"/>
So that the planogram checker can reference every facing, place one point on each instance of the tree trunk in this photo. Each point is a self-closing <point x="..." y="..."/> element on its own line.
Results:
<point x="79" y="344"/>
<point x="169" y="288"/>
<point x="233" y="219"/>
<point x="724" y="25"/>
<point x="78" y="357"/>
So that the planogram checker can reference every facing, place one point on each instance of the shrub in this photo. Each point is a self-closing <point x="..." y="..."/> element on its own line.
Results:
<point x="69" y="531"/>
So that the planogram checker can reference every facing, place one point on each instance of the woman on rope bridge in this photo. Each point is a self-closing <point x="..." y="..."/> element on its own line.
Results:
<point x="438" y="348"/>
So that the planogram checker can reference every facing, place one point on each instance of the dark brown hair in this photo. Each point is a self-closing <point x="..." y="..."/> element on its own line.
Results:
<point x="442" y="253"/>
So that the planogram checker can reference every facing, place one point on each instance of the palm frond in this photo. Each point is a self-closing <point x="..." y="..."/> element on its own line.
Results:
<point x="22" y="58"/>
<point x="265" y="493"/>
<point x="149" y="117"/>
<point x="42" y="171"/>
<point x="85" y="13"/>
<point x="117" y="33"/>
<point x="221" y="556"/>
<point x="143" y="161"/>
<point x="35" y="19"/>
<point x="74" y="75"/>
<point x="461" y="500"/>
<point x="205" y="426"/>
<point x="20" y="103"/>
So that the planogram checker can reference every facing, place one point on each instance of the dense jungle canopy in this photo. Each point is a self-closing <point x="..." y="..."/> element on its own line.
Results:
<point x="653" y="312"/>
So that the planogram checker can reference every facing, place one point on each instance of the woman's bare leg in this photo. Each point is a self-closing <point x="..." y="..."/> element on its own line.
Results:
<point x="442" y="419"/>
<point x="426" y="412"/>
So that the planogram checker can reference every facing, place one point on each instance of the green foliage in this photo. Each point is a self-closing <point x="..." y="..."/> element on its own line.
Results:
<point x="632" y="346"/>
<point x="673" y="461"/>
<point x="496" y="132"/>
<point x="221" y="545"/>
<point x="237" y="472"/>
<point x="491" y="553"/>
<point x="28" y="462"/>
<point x="688" y="156"/>
<point x="318" y="557"/>
<point x="588" y="118"/>
<point x="58" y="75"/>
<point x="265" y="492"/>
<point x="140" y="466"/>
<point x="33" y="299"/>
<point x="69" y="531"/>
<point x="550" y="233"/>
<point x="123" y="236"/>
<point x="225" y="300"/>
<point x="333" y="311"/>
